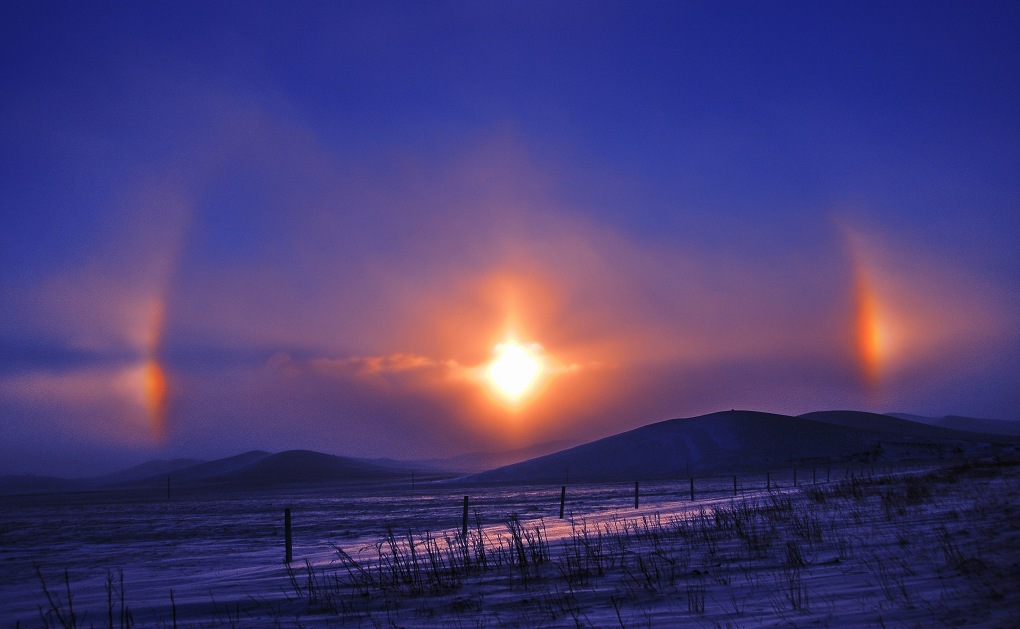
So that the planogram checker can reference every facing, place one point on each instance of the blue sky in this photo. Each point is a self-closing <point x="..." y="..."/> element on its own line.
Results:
<point x="274" y="225"/>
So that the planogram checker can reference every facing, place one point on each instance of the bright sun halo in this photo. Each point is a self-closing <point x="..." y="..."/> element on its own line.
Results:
<point x="515" y="368"/>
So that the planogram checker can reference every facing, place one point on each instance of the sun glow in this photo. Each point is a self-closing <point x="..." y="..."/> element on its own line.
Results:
<point x="515" y="368"/>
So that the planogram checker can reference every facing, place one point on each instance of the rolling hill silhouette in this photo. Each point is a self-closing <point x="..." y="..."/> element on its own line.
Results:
<point x="746" y="440"/>
<point x="973" y="424"/>
<point x="255" y="470"/>
<point x="145" y="470"/>
<point x="899" y="426"/>
<point x="260" y="470"/>
<point x="723" y="442"/>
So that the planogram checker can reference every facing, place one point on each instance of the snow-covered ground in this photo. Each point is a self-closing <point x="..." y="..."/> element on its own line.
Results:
<point x="935" y="547"/>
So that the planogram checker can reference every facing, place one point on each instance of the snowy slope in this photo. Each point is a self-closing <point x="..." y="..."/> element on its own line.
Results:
<point x="738" y="440"/>
<point x="720" y="441"/>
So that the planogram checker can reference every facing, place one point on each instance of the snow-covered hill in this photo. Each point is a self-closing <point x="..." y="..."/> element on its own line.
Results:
<point x="743" y="440"/>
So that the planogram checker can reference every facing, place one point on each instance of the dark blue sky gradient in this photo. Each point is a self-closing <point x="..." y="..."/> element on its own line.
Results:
<point x="688" y="203"/>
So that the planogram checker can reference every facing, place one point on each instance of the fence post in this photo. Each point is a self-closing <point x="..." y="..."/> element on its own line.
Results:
<point x="794" y="477"/>
<point x="692" y="489"/>
<point x="635" y="494"/>
<point x="463" y="524"/>
<point x="768" y="481"/>
<point x="287" y="535"/>
<point x="734" y="485"/>
<point x="563" y="499"/>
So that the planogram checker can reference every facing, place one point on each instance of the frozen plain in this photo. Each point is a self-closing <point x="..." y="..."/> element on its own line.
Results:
<point x="932" y="547"/>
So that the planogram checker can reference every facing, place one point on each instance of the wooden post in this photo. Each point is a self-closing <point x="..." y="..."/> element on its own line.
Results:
<point x="463" y="523"/>
<point x="768" y="481"/>
<point x="288" y="540"/>
<point x="635" y="494"/>
<point x="794" y="477"/>
<point x="563" y="499"/>
<point x="734" y="484"/>
<point x="692" y="489"/>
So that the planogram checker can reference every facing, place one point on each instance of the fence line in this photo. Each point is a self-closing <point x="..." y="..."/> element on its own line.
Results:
<point x="711" y="486"/>
<point x="699" y="488"/>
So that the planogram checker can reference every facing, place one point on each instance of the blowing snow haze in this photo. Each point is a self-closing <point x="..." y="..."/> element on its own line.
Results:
<point x="240" y="227"/>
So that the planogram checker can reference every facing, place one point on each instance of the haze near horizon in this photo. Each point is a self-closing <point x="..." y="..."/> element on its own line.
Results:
<point x="416" y="231"/>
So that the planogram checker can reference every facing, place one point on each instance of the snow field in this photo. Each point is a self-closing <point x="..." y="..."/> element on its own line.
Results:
<point x="931" y="548"/>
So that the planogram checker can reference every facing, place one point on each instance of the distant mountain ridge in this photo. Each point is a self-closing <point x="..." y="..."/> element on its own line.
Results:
<point x="727" y="441"/>
<point x="1009" y="427"/>
<point x="247" y="471"/>
<point x="261" y="470"/>
<point x="896" y="426"/>
<point x="147" y="470"/>
<point x="741" y="440"/>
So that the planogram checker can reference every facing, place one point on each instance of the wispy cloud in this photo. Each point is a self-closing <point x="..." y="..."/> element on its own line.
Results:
<point x="272" y="241"/>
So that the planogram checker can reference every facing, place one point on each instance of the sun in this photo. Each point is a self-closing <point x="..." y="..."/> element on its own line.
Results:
<point x="515" y="368"/>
